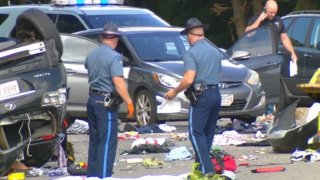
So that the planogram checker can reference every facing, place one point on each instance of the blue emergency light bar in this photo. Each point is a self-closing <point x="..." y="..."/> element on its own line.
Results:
<point x="86" y="2"/>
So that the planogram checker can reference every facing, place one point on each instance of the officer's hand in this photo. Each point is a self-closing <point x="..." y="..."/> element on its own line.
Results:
<point x="171" y="94"/>
<point x="130" y="110"/>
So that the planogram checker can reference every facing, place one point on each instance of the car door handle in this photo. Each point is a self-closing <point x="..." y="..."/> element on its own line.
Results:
<point x="307" y="55"/>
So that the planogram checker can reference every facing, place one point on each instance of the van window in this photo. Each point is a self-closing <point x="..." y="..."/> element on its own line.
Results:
<point x="315" y="35"/>
<point x="299" y="31"/>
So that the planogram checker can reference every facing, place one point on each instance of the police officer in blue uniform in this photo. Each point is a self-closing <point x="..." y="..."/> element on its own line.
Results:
<point x="105" y="71"/>
<point x="202" y="64"/>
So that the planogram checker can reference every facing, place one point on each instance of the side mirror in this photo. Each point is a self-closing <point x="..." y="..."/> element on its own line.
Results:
<point x="240" y="55"/>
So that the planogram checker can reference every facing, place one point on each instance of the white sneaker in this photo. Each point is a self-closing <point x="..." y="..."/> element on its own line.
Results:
<point x="298" y="155"/>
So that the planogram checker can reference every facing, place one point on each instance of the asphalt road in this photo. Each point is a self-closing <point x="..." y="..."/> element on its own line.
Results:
<point x="265" y="157"/>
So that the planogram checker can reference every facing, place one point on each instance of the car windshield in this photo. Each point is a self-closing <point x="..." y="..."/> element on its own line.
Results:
<point x="98" y="21"/>
<point x="159" y="46"/>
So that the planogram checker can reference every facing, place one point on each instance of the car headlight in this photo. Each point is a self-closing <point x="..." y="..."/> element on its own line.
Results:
<point x="166" y="80"/>
<point x="54" y="98"/>
<point x="253" y="78"/>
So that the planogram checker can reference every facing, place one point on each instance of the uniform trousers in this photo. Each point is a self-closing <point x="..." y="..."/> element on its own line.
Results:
<point x="102" y="137"/>
<point x="202" y="123"/>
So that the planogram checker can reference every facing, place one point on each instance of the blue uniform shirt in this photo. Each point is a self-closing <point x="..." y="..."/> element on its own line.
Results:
<point x="205" y="60"/>
<point x="103" y="63"/>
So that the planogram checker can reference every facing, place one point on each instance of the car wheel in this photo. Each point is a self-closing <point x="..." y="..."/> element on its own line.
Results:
<point x="145" y="108"/>
<point x="33" y="25"/>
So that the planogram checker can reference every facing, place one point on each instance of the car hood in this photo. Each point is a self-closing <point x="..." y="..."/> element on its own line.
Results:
<point x="229" y="70"/>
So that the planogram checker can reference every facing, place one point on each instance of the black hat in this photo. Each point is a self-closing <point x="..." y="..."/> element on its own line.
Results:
<point x="111" y="30"/>
<point x="192" y="23"/>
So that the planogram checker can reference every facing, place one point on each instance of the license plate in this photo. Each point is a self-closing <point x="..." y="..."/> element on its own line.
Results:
<point x="226" y="99"/>
<point x="9" y="88"/>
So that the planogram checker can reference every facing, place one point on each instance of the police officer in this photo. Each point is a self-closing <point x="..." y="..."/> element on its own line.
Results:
<point x="202" y="65"/>
<point x="105" y="73"/>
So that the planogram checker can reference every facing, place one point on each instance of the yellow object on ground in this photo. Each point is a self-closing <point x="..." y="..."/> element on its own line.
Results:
<point x="17" y="176"/>
<point x="196" y="174"/>
<point x="151" y="162"/>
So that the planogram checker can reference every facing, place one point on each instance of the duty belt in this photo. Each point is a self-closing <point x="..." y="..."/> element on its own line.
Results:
<point x="97" y="92"/>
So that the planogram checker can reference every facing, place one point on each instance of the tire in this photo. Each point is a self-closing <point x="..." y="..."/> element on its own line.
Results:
<point x="35" y="25"/>
<point x="145" y="108"/>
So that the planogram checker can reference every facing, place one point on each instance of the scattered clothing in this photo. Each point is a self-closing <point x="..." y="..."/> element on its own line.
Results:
<point x="78" y="127"/>
<point x="148" y="177"/>
<point x="167" y="128"/>
<point x="307" y="155"/>
<point x="229" y="138"/>
<point x="179" y="136"/>
<point x="152" y="128"/>
<point x="128" y="135"/>
<point x="141" y="141"/>
<point x="146" y="149"/>
<point x="180" y="153"/>
<point x="244" y="128"/>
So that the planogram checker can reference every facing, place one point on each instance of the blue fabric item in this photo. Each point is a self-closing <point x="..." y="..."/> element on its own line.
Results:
<point x="152" y="128"/>
<point x="180" y="153"/>
<point x="103" y="63"/>
<point x="102" y="138"/>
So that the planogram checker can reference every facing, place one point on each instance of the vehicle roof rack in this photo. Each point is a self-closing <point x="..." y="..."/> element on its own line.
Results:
<point x="305" y="12"/>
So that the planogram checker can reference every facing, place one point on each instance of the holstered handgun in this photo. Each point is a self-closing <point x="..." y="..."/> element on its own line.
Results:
<point x="193" y="92"/>
<point x="191" y="95"/>
<point x="112" y="101"/>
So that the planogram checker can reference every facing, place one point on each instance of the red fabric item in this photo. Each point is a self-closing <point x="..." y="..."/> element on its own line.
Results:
<point x="229" y="164"/>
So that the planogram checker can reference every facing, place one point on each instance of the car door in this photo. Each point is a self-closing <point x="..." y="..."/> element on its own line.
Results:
<point x="297" y="31"/>
<point x="75" y="50"/>
<point x="256" y="49"/>
<point x="312" y="53"/>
